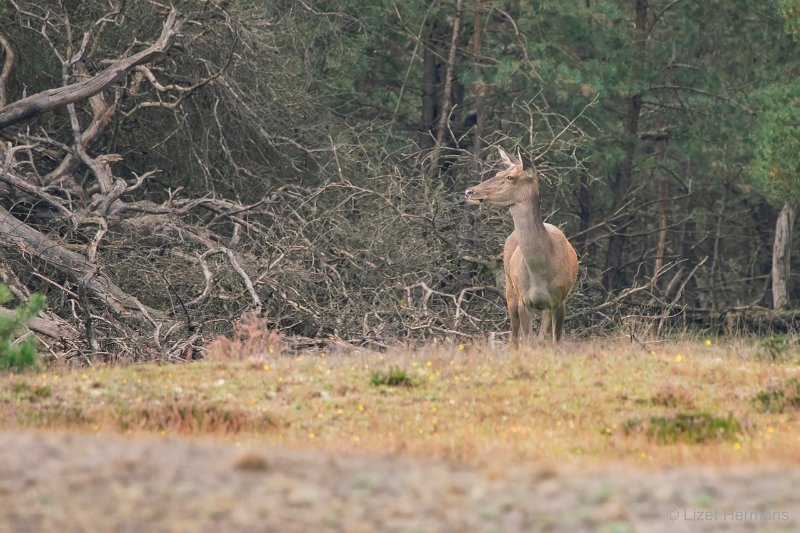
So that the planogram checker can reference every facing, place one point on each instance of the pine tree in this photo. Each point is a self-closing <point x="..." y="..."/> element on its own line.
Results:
<point x="21" y="355"/>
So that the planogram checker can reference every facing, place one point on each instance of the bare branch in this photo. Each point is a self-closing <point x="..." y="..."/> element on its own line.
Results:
<point x="8" y="63"/>
<point x="60" y="96"/>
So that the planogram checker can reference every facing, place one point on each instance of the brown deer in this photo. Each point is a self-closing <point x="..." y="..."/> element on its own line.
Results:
<point x="540" y="264"/>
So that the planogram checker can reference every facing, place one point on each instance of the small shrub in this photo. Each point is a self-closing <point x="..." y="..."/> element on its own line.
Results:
<point x="193" y="417"/>
<point x="774" y="348"/>
<point x="631" y="425"/>
<point x="692" y="428"/>
<point x="252" y="341"/>
<point x="394" y="377"/>
<point x="23" y="390"/>
<point x="43" y="392"/>
<point x="671" y="395"/>
<point x="776" y="398"/>
<point x="18" y="356"/>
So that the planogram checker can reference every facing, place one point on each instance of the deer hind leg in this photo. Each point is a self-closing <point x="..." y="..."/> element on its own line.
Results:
<point x="544" y="327"/>
<point x="560" y="313"/>
<point x="513" y="316"/>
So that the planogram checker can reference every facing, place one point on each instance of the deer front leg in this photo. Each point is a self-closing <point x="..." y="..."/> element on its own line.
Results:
<point x="558" y="322"/>
<point x="544" y="327"/>
<point x="525" y="323"/>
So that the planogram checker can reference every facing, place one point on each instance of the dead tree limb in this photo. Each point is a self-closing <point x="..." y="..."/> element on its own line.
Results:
<point x="74" y="266"/>
<point x="61" y="96"/>
<point x="8" y="63"/>
<point x="49" y="325"/>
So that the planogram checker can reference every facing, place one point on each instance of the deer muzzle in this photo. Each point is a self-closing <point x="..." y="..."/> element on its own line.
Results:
<point x="469" y="195"/>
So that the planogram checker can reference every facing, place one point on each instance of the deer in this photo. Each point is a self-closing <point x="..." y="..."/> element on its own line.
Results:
<point x="539" y="263"/>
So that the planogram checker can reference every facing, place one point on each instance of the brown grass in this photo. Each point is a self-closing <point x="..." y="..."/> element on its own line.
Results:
<point x="468" y="403"/>
<point x="252" y="341"/>
<point x="672" y="394"/>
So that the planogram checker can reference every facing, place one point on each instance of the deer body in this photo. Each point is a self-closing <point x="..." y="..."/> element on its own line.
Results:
<point x="540" y="264"/>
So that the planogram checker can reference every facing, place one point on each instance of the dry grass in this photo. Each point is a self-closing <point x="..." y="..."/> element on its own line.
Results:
<point x="252" y="341"/>
<point x="468" y="403"/>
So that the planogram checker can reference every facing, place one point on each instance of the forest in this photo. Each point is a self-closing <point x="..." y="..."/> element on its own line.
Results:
<point x="171" y="167"/>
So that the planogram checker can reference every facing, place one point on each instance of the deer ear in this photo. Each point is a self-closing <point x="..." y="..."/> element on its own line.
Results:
<point x="519" y="157"/>
<point x="526" y="163"/>
<point x="508" y="160"/>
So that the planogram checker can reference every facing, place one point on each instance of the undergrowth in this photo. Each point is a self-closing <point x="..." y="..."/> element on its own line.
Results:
<point x="394" y="377"/>
<point x="677" y="403"/>
<point x="18" y="355"/>
<point x="776" y="398"/>
<point x="692" y="428"/>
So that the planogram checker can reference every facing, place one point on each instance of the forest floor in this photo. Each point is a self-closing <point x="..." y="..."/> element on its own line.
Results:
<point x="608" y="436"/>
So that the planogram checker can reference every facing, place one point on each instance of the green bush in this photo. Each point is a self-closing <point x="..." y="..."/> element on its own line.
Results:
<point x="775" y="348"/>
<point x="21" y="355"/>
<point x="692" y="428"/>
<point x="395" y="377"/>
<point x="776" y="398"/>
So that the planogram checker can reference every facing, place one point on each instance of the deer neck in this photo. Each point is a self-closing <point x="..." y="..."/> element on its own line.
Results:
<point x="532" y="236"/>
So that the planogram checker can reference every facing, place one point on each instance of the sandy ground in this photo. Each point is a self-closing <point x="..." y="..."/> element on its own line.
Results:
<point x="80" y="482"/>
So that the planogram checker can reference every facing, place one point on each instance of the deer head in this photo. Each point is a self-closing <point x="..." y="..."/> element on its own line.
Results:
<point x="511" y="186"/>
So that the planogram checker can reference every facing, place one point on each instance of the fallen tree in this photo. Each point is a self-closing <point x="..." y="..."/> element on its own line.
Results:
<point x="58" y="222"/>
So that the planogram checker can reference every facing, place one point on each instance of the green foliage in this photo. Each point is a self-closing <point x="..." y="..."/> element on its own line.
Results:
<point x="394" y="377"/>
<point x="22" y="355"/>
<point x="24" y="390"/>
<point x="776" y="168"/>
<point x="776" y="398"/>
<point x="692" y="428"/>
<point x="790" y="11"/>
<point x="774" y="348"/>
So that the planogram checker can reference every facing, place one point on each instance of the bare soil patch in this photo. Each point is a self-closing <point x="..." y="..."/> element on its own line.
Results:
<point x="81" y="482"/>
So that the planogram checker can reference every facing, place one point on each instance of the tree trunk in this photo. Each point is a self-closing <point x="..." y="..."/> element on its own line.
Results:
<point x="663" y="195"/>
<point x="26" y="240"/>
<point x="781" y="257"/>
<point x="444" y="107"/>
<point x="661" y="245"/>
<point x="467" y="268"/>
<point x="431" y="68"/>
<point x="614" y="277"/>
<point x="585" y="212"/>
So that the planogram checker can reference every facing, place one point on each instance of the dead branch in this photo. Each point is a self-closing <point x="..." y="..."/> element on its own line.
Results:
<point x="54" y="98"/>
<point x="8" y="63"/>
<point x="74" y="266"/>
<point x="49" y="325"/>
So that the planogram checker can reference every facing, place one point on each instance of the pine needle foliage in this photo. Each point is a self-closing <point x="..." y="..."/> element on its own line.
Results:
<point x="18" y="355"/>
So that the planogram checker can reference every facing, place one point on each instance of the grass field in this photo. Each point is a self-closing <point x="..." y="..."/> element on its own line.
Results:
<point x="718" y="403"/>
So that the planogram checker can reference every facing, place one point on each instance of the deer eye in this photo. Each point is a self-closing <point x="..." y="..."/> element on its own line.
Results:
<point x="510" y="177"/>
